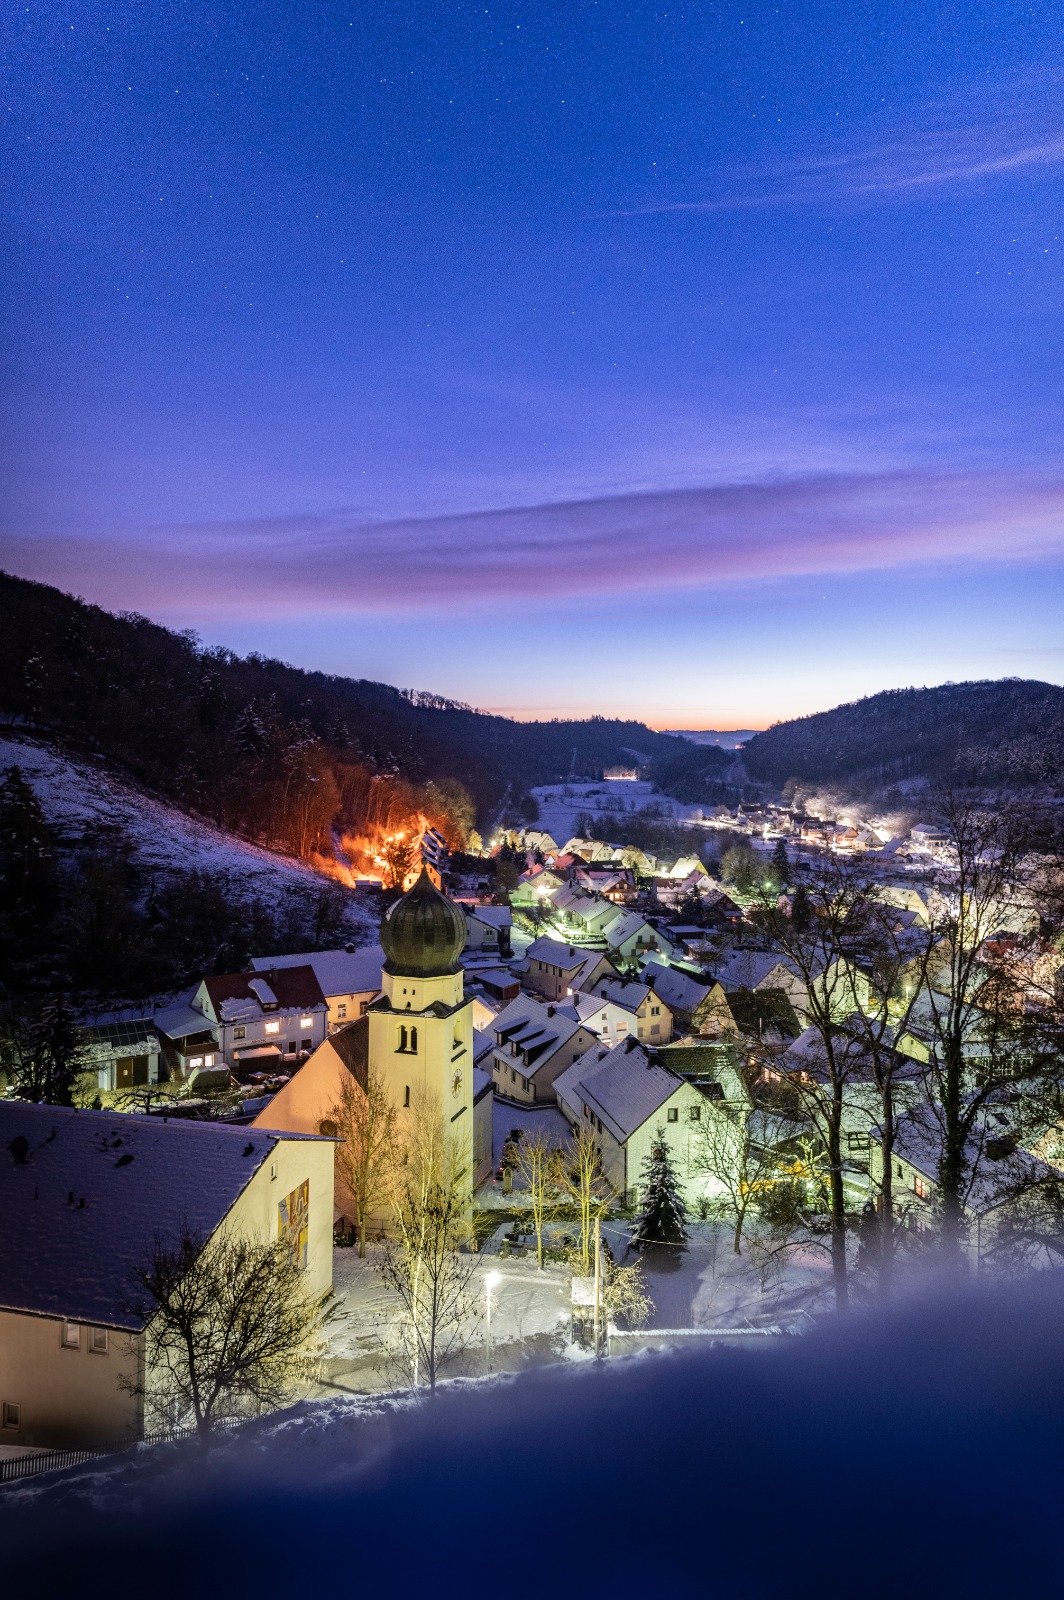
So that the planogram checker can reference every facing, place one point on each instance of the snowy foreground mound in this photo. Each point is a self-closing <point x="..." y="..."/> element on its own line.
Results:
<point x="74" y="794"/>
<point x="918" y="1453"/>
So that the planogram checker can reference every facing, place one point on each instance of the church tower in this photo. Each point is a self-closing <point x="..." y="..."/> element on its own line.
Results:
<point x="421" y="1025"/>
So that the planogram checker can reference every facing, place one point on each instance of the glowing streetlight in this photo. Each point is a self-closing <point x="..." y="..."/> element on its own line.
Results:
<point x="490" y="1280"/>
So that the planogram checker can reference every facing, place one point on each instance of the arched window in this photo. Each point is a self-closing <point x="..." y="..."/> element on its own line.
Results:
<point x="413" y="1039"/>
<point x="401" y="1039"/>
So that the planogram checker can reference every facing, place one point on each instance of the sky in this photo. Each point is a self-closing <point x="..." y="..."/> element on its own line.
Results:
<point x="704" y="365"/>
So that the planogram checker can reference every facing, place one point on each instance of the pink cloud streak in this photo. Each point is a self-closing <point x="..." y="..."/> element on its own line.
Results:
<point x="690" y="538"/>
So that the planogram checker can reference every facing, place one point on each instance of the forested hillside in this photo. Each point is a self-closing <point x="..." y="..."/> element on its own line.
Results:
<point x="1008" y="731"/>
<point x="267" y="750"/>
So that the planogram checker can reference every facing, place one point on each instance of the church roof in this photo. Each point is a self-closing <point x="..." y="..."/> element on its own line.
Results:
<point x="424" y="933"/>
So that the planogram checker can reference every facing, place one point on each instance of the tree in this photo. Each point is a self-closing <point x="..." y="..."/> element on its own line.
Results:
<point x="780" y="864"/>
<point x="367" y="1158"/>
<point x="400" y="855"/>
<point x="230" y="1327"/>
<point x="580" y="1177"/>
<point x="736" y="1147"/>
<point x="741" y="867"/>
<point x="44" y="1055"/>
<point x="428" y="1266"/>
<point x="984" y="1046"/>
<point x="664" y="1217"/>
<point x="536" y="1162"/>
<point x="623" y="1290"/>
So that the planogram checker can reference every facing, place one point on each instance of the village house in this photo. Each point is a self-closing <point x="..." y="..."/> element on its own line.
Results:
<point x="630" y="938"/>
<point x="623" y="1096"/>
<point x="123" y="1050"/>
<point x="264" y="1020"/>
<point x="627" y="1007"/>
<point x="86" y="1195"/>
<point x="533" y="1043"/>
<point x="488" y="930"/>
<point x="553" y="967"/>
<point x="697" y="1008"/>
<point x="349" y="979"/>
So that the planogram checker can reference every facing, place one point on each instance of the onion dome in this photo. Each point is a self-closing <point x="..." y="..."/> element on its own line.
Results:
<point x="424" y="933"/>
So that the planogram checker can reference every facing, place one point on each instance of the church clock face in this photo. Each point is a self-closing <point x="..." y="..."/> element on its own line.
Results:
<point x="456" y="1082"/>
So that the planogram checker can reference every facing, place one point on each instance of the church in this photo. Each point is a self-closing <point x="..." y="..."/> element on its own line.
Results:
<point x="416" y="1037"/>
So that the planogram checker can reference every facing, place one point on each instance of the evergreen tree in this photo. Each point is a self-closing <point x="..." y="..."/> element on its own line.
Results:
<point x="27" y="852"/>
<point x="801" y="910"/>
<point x="780" y="865"/>
<point x="664" y="1218"/>
<point x="44" y="1056"/>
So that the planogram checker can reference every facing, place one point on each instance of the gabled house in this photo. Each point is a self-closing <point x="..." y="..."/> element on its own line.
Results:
<point x="488" y="930"/>
<point x="632" y="1008"/>
<point x="622" y="1095"/>
<point x="553" y="967"/>
<point x="85" y="1197"/>
<point x="535" y="1041"/>
<point x="630" y="938"/>
<point x="698" y="1008"/>
<point x="349" y="979"/>
<point x="264" y="1020"/>
<point x="124" y="1050"/>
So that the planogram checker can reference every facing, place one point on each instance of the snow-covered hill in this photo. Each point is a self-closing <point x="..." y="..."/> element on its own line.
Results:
<point x="74" y="793"/>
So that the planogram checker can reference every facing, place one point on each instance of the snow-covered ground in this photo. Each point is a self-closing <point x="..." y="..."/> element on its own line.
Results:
<point x="561" y="803"/>
<point x="74" y="793"/>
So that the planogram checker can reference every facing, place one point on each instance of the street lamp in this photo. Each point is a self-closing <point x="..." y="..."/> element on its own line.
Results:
<point x="490" y="1280"/>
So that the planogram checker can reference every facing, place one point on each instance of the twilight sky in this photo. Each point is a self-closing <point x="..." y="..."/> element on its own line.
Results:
<point x="703" y="364"/>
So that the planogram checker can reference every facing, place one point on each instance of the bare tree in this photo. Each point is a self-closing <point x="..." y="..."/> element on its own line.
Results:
<point x="984" y="1046"/>
<point x="368" y="1158"/>
<point x="231" y="1327"/>
<point x="580" y="1177"/>
<point x="536" y="1163"/>
<point x="428" y="1265"/>
<point x="624" y="1296"/>
<point x="736" y="1146"/>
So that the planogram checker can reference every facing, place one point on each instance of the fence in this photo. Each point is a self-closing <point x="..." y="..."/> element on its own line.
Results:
<point x="28" y="1466"/>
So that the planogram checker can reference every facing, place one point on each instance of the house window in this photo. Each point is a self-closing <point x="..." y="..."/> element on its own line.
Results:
<point x="208" y="1061"/>
<point x="363" y="1008"/>
<point x="98" y="1341"/>
<point x="290" y="1047"/>
<point x="306" y="1022"/>
<point x="919" y="1188"/>
<point x="673" y="1114"/>
<point x="12" y="1415"/>
<point x="695" y="1113"/>
<point x="306" y="1044"/>
<point x="858" y="1141"/>
<point x="273" y="1027"/>
<point x="341" y="1012"/>
<point x="70" y="1336"/>
<point x="655" y="1011"/>
<point x="195" y="1061"/>
<point x="655" y="1027"/>
<point x="240" y="1033"/>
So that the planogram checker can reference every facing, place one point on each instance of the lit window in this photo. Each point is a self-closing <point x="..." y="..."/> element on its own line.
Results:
<point x="306" y="1022"/>
<point x="98" y="1341"/>
<point x="273" y="1027"/>
<point x="208" y="1061"/>
<point x="195" y="1061"/>
<point x="70" y="1337"/>
<point x="919" y="1188"/>
<point x="12" y="1415"/>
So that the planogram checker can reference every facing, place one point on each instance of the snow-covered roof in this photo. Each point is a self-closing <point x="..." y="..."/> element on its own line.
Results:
<point x="337" y="971"/>
<point x="180" y="1020"/>
<point x="624" y="1086"/>
<point x="84" y="1194"/>
<point x="746" y="969"/>
<point x="556" y="954"/>
<point x="628" y="995"/>
<point x="239" y="994"/>
<point x="493" y="916"/>
<point x="679" y="990"/>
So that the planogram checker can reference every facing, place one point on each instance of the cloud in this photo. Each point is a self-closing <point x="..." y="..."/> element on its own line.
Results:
<point x="933" y="148"/>
<point x="702" y="539"/>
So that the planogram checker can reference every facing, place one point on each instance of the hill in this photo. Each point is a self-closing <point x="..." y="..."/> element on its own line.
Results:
<point x="282" y="756"/>
<point x="1004" y="731"/>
